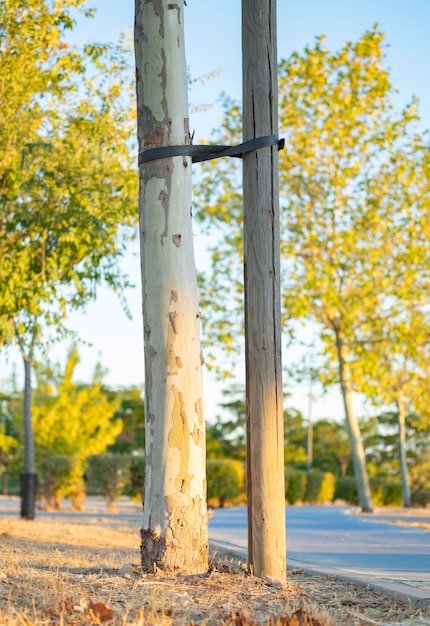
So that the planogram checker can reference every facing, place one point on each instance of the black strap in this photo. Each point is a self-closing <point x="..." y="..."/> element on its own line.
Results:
<point x="208" y="152"/>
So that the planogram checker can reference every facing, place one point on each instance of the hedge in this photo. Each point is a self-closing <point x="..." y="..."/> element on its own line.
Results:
<point x="346" y="489"/>
<point x="392" y="494"/>
<point x="295" y="485"/>
<point x="225" y="479"/>
<point x="320" y="487"/>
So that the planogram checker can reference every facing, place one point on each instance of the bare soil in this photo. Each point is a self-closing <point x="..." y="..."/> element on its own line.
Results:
<point x="75" y="573"/>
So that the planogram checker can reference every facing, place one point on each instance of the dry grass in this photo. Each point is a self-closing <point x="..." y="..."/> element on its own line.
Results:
<point x="52" y="572"/>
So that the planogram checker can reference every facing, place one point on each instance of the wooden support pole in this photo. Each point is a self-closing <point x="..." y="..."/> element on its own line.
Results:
<point x="265" y="431"/>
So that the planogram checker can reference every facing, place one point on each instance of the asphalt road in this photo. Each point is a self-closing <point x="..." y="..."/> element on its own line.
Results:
<point x="338" y="540"/>
<point x="329" y="536"/>
<point x="336" y="537"/>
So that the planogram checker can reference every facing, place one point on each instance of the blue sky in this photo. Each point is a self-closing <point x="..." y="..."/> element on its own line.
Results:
<point x="213" y="40"/>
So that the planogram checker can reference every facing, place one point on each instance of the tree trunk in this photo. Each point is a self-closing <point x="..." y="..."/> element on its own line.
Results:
<point x="401" y="418"/>
<point x="265" y="429"/>
<point x="29" y="478"/>
<point x="343" y="467"/>
<point x="175" y="521"/>
<point x="357" y="449"/>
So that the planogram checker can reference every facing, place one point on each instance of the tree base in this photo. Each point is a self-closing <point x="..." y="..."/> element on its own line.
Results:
<point x="29" y="484"/>
<point x="161" y="557"/>
<point x="183" y="546"/>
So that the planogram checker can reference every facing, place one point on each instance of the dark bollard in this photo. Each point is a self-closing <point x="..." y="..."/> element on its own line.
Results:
<point x="28" y="495"/>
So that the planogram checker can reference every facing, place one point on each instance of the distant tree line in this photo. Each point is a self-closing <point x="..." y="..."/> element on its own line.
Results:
<point x="331" y="474"/>
<point x="90" y="439"/>
<point x="355" y="200"/>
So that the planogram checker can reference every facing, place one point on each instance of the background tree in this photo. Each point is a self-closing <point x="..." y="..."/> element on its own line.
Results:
<point x="226" y="437"/>
<point x="348" y="195"/>
<point x="332" y="451"/>
<point x="385" y="462"/>
<point x="395" y="369"/>
<point x="67" y="181"/>
<point x="57" y="482"/>
<point x="345" y="176"/>
<point x="295" y="436"/>
<point x="131" y="413"/>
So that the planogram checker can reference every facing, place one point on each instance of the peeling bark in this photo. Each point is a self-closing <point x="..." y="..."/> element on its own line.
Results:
<point x="171" y="551"/>
<point x="174" y="531"/>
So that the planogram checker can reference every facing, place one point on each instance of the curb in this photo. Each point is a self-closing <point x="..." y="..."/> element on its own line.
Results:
<point x="418" y="597"/>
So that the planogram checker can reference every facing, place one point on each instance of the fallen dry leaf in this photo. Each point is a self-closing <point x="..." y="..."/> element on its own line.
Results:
<point x="243" y="618"/>
<point x="99" y="612"/>
<point x="298" y="618"/>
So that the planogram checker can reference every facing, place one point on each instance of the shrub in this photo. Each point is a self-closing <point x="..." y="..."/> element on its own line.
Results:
<point x="14" y="485"/>
<point x="377" y="486"/>
<point x="346" y="489"/>
<point x="225" y="479"/>
<point x="295" y="485"/>
<point x="392" y="494"/>
<point x="313" y="485"/>
<point x="328" y="487"/>
<point x="107" y="474"/>
<point x="56" y="473"/>
<point x="420" y="497"/>
<point x="320" y="487"/>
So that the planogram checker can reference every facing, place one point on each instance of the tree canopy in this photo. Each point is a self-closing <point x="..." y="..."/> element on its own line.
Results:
<point x="67" y="174"/>
<point x="72" y="419"/>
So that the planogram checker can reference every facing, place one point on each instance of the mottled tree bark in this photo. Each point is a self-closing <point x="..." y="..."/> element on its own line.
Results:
<point x="174" y="532"/>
